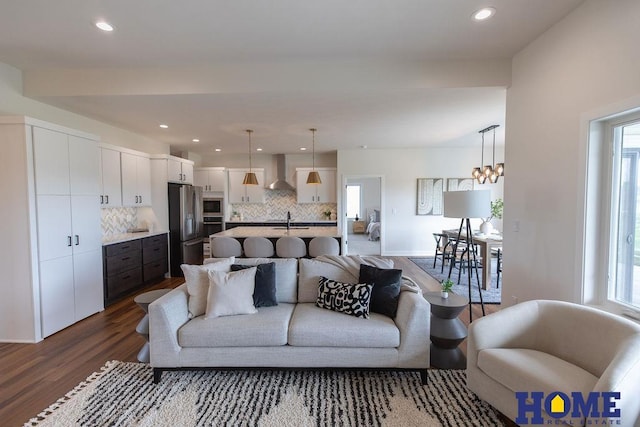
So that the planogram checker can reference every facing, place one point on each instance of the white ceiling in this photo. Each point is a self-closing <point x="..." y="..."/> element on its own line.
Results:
<point x="401" y="73"/>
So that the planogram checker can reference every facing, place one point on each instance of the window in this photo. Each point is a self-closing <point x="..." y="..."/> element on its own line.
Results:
<point x="624" y="260"/>
<point x="353" y="201"/>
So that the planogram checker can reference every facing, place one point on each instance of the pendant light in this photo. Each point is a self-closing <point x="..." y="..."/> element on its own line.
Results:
<point x="493" y="178"/>
<point x="250" y="177"/>
<point x="314" y="176"/>
<point x="486" y="172"/>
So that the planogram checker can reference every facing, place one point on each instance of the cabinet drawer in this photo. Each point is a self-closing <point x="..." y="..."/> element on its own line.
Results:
<point x="155" y="270"/>
<point x="124" y="247"/>
<point x="120" y="263"/>
<point x="160" y="239"/>
<point x="153" y="253"/>
<point x="122" y="283"/>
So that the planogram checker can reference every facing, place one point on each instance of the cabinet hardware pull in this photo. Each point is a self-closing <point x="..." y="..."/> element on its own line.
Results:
<point x="68" y="240"/>
<point x="140" y="199"/>
<point x="126" y="277"/>
<point x="125" y="258"/>
<point x="107" y="199"/>
<point x="77" y="240"/>
<point x="102" y="200"/>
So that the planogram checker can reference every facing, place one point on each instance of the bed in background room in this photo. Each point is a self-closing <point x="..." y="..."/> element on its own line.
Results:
<point x="373" y="228"/>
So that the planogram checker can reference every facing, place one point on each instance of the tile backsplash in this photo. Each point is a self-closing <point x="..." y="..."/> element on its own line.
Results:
<point x="276" y="205"/>
<point x="118" y="220"/>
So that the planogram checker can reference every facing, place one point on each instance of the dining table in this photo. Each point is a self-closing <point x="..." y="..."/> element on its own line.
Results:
<point x="486" y="242"/>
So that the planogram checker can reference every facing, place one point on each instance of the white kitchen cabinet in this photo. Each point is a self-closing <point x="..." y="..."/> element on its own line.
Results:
<point x="110" y="178"/>
<point x="52" y="261"/>
<point x="211" y="180"/>
<point x="316" y="193"/>
<point x="136" y="180"/>
<point x="240" y="193"/>
<point x="180" y="170"/>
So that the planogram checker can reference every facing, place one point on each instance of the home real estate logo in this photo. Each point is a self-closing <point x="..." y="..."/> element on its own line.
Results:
<point x="599" y="408"/>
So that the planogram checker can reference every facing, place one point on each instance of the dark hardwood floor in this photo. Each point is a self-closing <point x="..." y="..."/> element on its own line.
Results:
<point x="33" y="376"/>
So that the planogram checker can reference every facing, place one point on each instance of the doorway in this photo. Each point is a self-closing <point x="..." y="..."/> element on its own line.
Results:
<point x="362" y="213"/>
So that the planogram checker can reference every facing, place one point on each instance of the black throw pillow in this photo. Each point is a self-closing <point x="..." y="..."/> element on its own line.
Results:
<point x="264" y="293"/>
<point x="386" y="288"/>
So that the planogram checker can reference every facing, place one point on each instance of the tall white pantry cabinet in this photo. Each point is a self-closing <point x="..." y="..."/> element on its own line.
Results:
<point x="51" y="255"/>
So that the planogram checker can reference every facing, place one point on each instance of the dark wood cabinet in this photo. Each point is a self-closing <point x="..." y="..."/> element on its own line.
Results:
<point x="131" y="265"/>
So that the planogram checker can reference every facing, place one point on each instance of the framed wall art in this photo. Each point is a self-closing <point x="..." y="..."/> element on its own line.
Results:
<point x="460" y="184"/>
<point x="429" y="201"/>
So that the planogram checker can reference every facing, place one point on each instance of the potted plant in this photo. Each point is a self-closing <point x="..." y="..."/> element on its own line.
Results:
<point x="447" y="285"/>
<point x="327" y="213"/>
<point x="497" y="206"/>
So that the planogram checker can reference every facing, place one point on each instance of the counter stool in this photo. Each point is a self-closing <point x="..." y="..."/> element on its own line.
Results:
<point x="225" y="247"/>
<point x="323" y="245"/>
<point x="290" y="247"/>
<point x="258" y="247"/>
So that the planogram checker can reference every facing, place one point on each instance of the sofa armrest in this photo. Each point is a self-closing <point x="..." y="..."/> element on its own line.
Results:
<point x="413" y="319"/>
<point x="166" y="315"/>
<point x="512" y="327"/>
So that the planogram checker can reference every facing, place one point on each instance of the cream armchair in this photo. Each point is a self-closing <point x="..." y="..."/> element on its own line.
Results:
<point x="553" y="346"/>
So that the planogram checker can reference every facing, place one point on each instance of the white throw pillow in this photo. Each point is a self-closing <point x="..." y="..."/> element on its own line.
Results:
<point x="198" y="282"/>
<point x="231" y="293"/>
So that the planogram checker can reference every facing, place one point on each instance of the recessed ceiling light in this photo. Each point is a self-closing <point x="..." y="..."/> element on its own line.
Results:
<point x="218" y="149"/>
<point x="164" y="126"/>
<point x="195" y="140"/>
<point x="258" y="149"/>
<point x="104" y="26"/>
<point x="363" y="146"/>
<point x="484" y="13"/>
<point x="303" y="148"/>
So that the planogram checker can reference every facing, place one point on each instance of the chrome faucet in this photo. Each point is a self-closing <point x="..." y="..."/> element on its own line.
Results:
<point x="288" y="220"/>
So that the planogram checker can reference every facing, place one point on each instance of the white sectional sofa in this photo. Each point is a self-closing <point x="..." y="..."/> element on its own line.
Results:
<point x="296" y="333"/>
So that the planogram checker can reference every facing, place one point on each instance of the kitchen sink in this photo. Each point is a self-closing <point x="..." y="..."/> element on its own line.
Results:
<point x="291" y="228"/>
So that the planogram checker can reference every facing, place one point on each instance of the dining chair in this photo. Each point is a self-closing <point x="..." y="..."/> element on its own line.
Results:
<point x="443" y="250"/>
<point x="498" y="252"/>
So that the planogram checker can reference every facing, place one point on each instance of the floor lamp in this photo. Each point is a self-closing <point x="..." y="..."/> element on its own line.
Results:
<point x="467" y="205"/>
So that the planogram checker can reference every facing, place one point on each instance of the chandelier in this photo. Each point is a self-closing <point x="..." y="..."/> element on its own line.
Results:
<point x="488" y="173"/>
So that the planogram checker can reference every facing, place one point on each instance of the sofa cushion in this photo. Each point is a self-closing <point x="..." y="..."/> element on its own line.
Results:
<point x="197" y="279"/>
<point x="268" y="327"/>
<point x="521" y="369"/>
<point x="231" y="293"/>
<point x="312" y="326"/>
<point x="286" y="276"/>
<point x="348" y="298"/>
<point x="264" y="293"/>
<point x="386" y="288"/>
<point x="310" y="272"/>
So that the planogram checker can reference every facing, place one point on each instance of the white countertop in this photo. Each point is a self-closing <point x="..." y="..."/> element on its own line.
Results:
<point x="279" y="232"/>
<point x="125" y="237"/>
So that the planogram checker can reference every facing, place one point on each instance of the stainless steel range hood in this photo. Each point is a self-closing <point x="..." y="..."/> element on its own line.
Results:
<point x="281" y="175"/>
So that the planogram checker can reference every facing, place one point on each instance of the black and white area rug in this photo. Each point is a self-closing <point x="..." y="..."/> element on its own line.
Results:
<point x="489" y="296"/>
<point x="123" y="394"/>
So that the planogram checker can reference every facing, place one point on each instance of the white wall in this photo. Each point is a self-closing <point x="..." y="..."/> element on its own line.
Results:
<point x="12" y="102"/>
<point x="584" y="63"/>
<point x="405" y="233"/>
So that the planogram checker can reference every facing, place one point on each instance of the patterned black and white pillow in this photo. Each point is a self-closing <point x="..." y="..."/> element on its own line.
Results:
<point x="348" y="298"/>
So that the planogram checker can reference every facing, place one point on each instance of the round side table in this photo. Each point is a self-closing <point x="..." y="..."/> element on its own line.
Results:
<point x="143" y="300"/>
<point x="447" y="331"/>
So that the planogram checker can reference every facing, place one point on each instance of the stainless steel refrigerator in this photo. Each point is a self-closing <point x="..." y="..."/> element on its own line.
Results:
<point x="185" y="226"/>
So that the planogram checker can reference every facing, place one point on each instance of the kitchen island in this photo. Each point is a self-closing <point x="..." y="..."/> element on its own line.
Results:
<point x="277" y="231"/>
